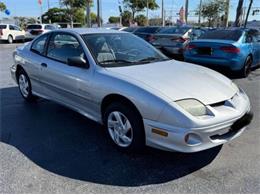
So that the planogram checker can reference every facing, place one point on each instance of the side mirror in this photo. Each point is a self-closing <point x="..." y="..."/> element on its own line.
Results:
<point x="78" y="62"/>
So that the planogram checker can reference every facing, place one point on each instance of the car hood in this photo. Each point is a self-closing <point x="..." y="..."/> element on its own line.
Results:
<point x="179" y="80"/>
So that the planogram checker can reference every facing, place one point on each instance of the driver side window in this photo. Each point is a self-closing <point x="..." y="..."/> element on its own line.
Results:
<point x="63" y="46"/>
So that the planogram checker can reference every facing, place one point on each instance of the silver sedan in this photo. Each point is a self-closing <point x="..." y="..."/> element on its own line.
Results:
<point x="139" y="95"/>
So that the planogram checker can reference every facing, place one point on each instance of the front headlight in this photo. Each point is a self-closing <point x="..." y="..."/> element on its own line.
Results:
<point x="193" y="106"/>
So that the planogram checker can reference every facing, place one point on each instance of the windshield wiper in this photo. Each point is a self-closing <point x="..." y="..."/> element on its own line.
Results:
<point x="116" y="61"/>
<point x="151" y="59"/>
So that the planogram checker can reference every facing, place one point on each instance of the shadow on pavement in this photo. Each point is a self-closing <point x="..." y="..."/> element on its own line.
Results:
<point x="68" y="144"/>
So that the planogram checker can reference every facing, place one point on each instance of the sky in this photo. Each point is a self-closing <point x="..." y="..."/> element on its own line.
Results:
<point x="110" y="8"/>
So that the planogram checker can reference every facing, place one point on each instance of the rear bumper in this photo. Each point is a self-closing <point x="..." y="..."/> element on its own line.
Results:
<point x="231" y="64"/>
<point x="172" y="50"/>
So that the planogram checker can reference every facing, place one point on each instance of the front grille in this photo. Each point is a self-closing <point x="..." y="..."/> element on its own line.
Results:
<point x="236" y="127"/>
<point x="218" y="104"/>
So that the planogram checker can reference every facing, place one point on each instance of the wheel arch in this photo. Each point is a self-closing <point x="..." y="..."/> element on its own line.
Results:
<point x="251" y="55"/>
<point x="109" y="99"/>
<point x="18" y="69"/>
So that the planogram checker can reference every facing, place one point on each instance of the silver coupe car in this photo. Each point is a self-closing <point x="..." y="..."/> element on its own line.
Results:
<point x="138" y="94"/>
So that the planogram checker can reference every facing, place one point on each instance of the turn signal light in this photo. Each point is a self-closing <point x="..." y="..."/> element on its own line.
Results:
<point x="160" y="132"/>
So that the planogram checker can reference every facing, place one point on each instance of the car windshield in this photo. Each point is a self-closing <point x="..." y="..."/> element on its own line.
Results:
<point x="233" y="35"/>
<point x="173" y="30"/>
<point x="2" y="26"/>
<point x="121" y="49"/>
<point x="34" y="26"/>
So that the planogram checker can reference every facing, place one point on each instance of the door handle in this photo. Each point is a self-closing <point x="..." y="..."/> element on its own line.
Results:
<point x="44" y="65"/>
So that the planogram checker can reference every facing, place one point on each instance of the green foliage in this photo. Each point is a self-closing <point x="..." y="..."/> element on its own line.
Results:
<point x="126" y="18"/>
<point x="141" y="20"/>
<point x="139" y="5"/>
<point x="75" y="10"/>
<point x="2" y="7"/>
<point x="74" y="3"/>
<point x="55" y="15"/>
<point x="212" y="10"/>
<point x="114" y="19"/>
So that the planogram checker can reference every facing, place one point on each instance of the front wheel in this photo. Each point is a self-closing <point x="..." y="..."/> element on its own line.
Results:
<point x="25" y="86"/>
<point x="125" y="127"/>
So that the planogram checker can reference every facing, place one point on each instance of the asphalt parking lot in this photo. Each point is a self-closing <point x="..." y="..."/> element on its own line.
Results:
<point x="47" y="148"/>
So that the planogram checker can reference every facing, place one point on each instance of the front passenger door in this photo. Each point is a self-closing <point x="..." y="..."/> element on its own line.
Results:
<point x="69" y="85"/>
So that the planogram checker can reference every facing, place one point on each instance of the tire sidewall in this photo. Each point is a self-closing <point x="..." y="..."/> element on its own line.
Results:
<point x="247" y="67"/>
<point x="10" y="39"/>
<point x="136" y="122"/>
<point x="30" y="97"/>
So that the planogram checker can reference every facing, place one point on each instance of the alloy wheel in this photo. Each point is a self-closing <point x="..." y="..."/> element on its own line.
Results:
<point x="120" y="129"/>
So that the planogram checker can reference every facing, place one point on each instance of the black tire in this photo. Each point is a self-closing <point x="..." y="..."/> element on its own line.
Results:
<point x="138" y="134"/>
<point x="245" y="71"/>
<point x="10" y="39"/>
<point x="29" y="97"/>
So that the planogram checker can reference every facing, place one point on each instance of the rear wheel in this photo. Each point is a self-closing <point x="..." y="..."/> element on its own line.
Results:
<point x="125" y="127"/>
<point x="10" y="39"/>
<point x="25" y="86"/>
<point x="245" y="71"/>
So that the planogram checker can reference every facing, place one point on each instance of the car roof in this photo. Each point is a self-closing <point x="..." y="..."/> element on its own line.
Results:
<point x="83" y="31"/>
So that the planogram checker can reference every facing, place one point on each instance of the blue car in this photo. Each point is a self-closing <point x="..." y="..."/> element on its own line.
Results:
<point x="234" y="49"/>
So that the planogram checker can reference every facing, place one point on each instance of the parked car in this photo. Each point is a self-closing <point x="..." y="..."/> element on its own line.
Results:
<point x="10" y="33"/>
<point x="147" y="32"/>
<point x="130" y="29"/>
<point x="33" y="30"/>
<point x="234" y="49"/>
<point x="136" y="92"/>
<point x="172" y="40"/>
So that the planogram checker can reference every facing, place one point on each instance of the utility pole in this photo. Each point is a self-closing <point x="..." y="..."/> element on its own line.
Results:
<point x="227" y="13"/>
<point x="147" y="10"/>
<point x="200" y="13"/>
<point x="88" y="22"/>
<point x="120" y="11"/>
<point x="248" y="11"/>
<point x="98" y="13"/>
<point x="186" y="10"/>
<point x="48" y="4"/>
<point x="163" y="19"/>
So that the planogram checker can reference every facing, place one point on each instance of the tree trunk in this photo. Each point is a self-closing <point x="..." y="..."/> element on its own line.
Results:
<point x="71" y="21"/>
<point x="248" y="11"/>
<point x="238" y="21"/>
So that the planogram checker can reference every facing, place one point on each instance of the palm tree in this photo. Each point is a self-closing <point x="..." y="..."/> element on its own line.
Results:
<point x="248" y="11"/>
<point x="238" y="20"/>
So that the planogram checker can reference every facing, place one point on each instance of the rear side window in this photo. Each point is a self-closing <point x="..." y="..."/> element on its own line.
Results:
<point x="39" y="44"/>
<point x="35" y="26"/>
<point x="49" y="27"/>
<point x="11" y="27"/>
<point x="233" y="35"/>
<point x="63" y="46"/>
<point x="3" y="26"/>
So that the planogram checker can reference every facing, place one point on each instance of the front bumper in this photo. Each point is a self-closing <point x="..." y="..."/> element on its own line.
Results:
<point x="13" y="72"/>
<point x="222" y="128"/>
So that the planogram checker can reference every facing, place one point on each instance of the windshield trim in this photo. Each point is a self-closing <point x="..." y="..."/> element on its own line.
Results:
<point x="115" y="65"/>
